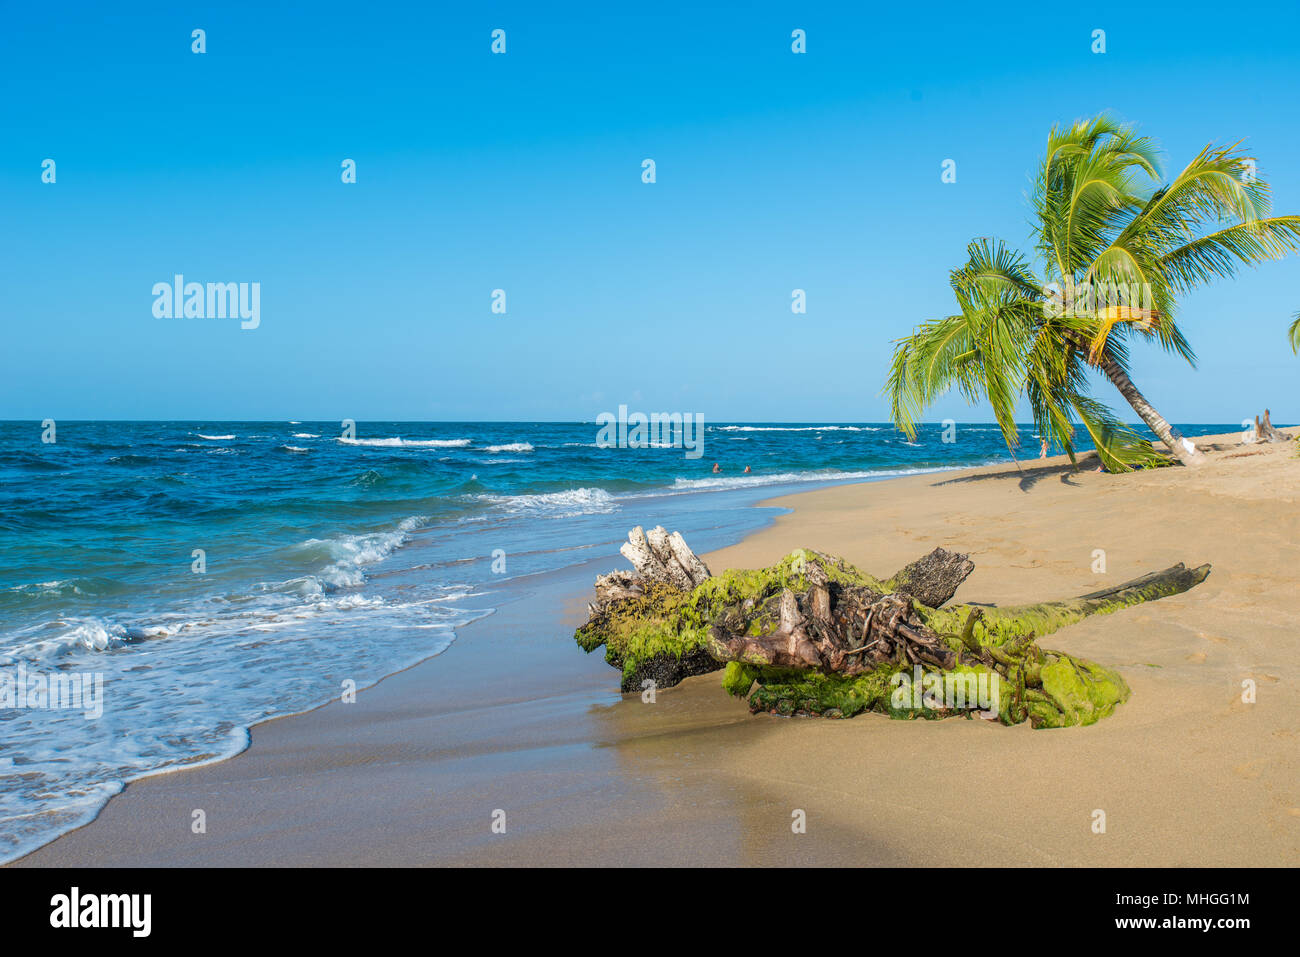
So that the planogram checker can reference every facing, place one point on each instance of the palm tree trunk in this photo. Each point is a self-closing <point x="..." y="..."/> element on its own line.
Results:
<point x="1154" y="420"/>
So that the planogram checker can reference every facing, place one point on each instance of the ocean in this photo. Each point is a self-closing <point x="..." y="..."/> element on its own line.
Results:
<point x="204" y="576"/>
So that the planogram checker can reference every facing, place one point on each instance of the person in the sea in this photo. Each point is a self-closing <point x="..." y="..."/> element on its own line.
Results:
<point x="746" y="469"/>
<point x="716" y="468"/>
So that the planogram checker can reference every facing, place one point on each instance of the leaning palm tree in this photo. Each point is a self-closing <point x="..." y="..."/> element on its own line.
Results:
<point x="999" y="347"/>
<point x="1115" y="250"/>
<point x="1294" y="334"/>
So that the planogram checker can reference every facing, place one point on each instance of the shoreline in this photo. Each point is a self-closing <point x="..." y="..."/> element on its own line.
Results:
<point x="744" y="497"/>
<point x="412" y="773"/>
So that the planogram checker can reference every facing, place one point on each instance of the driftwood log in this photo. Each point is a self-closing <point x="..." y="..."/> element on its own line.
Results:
<point x="819" y="636"/>
<point x="1265" y="432"/>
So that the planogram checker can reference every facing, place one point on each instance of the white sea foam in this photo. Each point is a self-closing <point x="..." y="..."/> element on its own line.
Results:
<point x="597" y="501"/>
<point x="214" y="438"/>
<point x="305" y="435"/>
<point x="59" y="586"/>
<point x="510" y="447"/>
<point x="351" y="553"/>
<point x="566" y="504"/>
<point x="397" y="443"/>
<point x="89" y="634"/>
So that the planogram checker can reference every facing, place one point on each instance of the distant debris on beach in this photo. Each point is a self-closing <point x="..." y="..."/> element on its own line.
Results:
<point x="1265" y="432"/>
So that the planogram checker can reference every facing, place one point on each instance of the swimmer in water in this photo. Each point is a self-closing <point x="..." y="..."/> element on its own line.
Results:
<point x="746" y="469"/>
<point x="716" y="468"/>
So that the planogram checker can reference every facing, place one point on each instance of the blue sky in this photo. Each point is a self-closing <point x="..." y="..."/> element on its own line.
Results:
<point x="475" y="171"/>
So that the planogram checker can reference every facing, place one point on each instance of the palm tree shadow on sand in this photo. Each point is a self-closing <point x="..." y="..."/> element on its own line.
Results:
<point x="1032" y="475"/>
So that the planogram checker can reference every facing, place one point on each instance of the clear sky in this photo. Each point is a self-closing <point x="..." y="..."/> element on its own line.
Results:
<point x="523" y="172"/>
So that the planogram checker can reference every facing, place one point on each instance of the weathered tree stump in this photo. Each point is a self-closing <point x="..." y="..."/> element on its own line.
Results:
<point x="1265" y="432"/>
<point x="934" y="579"/>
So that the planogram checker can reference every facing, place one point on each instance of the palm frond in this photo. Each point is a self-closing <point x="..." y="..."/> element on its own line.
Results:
<point x="1118" y="446"/>
<point x="980" y="351"/>
<point x="1204" y="225"/>
<point x="1217" y="255"/>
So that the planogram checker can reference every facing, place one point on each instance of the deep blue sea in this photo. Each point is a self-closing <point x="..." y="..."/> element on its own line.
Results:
<point x="214" y="574"/>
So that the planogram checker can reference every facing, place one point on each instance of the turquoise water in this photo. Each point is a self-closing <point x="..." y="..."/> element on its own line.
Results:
<point x="215" y="574"/>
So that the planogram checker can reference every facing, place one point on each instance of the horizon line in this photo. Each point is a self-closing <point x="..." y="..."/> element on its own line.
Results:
<point x="809" y="422"/>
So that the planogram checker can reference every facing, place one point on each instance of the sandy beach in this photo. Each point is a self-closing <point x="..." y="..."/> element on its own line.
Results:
<point x="515" y="718"/>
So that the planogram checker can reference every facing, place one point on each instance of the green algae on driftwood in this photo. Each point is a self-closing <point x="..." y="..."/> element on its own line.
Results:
<point x="813" y="634"/>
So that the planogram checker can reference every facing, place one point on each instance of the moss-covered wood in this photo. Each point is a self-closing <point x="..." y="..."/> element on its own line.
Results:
<point x="815" y="635"/>
<point x="659" y="626"/>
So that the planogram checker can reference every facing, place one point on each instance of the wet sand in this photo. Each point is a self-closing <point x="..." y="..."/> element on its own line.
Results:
<point x="514" y="718"/>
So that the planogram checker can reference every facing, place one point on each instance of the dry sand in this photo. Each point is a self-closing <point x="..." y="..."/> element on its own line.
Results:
<point x="1186" y="773"/>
